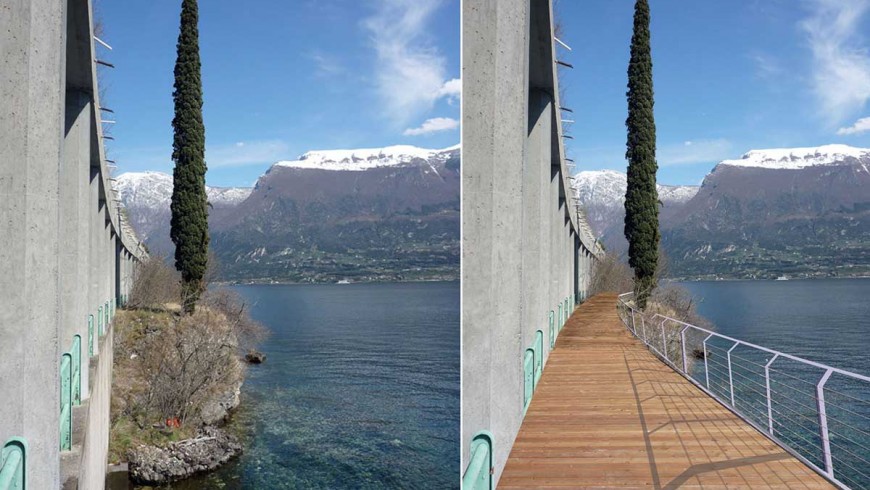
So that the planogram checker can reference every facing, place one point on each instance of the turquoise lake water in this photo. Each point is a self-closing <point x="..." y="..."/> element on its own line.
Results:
<point x="360" y="389"/>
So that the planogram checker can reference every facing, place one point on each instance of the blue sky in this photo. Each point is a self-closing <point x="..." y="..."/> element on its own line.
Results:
<point x="284" y="77"/>
<point x="729" y="76"/>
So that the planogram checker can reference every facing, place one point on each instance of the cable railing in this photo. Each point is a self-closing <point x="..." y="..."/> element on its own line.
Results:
<point x="818" y="413"/>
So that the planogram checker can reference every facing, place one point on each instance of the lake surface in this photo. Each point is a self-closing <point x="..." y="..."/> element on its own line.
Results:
<point x="360" y="389"/>
<point x="823" y="320"/>
<point x="826" y="321"/>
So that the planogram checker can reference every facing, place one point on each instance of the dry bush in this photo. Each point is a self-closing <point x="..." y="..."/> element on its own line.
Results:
<point x="155" y="284"/>
<point x="227" y="302"/>
<point x="611" y="275"/>
<point x="188" y="362"/>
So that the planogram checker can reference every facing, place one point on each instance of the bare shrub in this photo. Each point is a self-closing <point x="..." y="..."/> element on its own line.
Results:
<point x="611" y="275"/>
<point x="155" y="284"/>
<point x="248" y="333"/>
<point x="188" y="362"/>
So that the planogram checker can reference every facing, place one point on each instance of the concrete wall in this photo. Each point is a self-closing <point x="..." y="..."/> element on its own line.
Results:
<point x="523" y="244"/>
<point x="60" y="233"/>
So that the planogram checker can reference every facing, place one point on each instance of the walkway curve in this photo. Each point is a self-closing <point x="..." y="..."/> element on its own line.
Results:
<point x="609" y="414"/>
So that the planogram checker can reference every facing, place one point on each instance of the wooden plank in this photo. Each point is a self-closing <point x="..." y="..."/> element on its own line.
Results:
<point x="608" y="414"/>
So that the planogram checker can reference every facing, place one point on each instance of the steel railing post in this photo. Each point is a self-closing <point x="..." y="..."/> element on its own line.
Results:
<point x="769" y="403"/>
<point x="683" y="347"/>
<point x="730" y="378"/>
<point x="664" y="342"/>
<point x="823" y="423"/>
<point x="706" y="367"/>
<point x="643" y="329"/>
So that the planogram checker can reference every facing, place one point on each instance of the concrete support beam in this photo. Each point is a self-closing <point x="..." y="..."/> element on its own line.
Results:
<point x="73" y="252"/>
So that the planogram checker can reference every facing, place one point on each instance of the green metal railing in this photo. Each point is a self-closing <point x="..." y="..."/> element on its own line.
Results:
<point x="528" y="377"/>
<point x="65" y="405"/>
<point x="76" y="353"/>
<point x="539" y="355"/>
<point x="100" y="320"/>
<point x="552" y="317"/>
<point x="13" y="464"/>
<point x="478" y="474"/>
<point x="90" y="336"/>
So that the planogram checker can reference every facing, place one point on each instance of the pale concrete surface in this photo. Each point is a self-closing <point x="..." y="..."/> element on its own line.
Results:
<point x="522" y="240"/>
<point x="60" y="233"/>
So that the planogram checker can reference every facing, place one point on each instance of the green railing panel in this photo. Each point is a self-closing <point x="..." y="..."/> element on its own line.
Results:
<point x="539" y="356"/>
<point x="13" y="464"/>
<point x="65" y="397"/>
<point x="76" y="352"/>
<point x="528" y="377"/>
<point x="561" y="318"/>
<point x="100" y="320"/>
<point x="90" y="336"/>
<point x="106" y="320"/>
<point x="478" y="474"/>
<point x="552" y="330"/>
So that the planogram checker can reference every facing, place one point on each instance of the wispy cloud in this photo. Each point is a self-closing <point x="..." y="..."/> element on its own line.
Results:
<point x="411" y="73"/>
<point x="766" y="66"/>
<point x="326" y="65"/>
<point x="246" y="153"/>
<point x="696" y="151"/>
<point x="434" y="125"/>
<point x="861" y="126"/>
<point x="841" y="64"/>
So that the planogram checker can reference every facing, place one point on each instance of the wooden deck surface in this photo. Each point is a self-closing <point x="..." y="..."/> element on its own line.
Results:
<point x="608" y="414"/>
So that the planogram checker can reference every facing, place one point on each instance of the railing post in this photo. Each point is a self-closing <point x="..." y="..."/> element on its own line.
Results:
<point x="823" y="423"/>
<point x="643" y="329"/>
<point x="683" y="346"/>
<point x="706" y="366"/>
<point x="664" y="342"/>
<point x="730" y="378"/>
<point x="90" y="336"/>
<point x="633" y="324"/>
<point x="769" y="403"/>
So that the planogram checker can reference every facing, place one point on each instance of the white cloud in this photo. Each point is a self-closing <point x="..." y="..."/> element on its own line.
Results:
<point x="694" y="151"/>
<point x="411" y="74"/>
<point x="433" y="125"/>
<point x="245" y="153"/>
<point x="841" y="64"/>
<point x="861" y="126"/>
<point x="451" y="88"/>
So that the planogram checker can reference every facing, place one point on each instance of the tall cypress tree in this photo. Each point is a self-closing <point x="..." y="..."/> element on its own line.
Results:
<point x="189" y="202"/>
<point x="641" y="197"/>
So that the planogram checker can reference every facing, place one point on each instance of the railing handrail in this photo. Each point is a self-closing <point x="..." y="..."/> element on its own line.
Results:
<point x="755" y="346"/>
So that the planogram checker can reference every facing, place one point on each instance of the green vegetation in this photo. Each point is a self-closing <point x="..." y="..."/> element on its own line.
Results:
<point x="641" y="197"/>
<point x="189" y="223"/>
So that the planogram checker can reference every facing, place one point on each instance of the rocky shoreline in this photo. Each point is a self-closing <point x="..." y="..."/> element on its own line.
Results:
<point x="211" y="448"/>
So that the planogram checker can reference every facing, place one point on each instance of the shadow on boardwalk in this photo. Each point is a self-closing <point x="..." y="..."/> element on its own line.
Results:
<point x="607" y="414"/>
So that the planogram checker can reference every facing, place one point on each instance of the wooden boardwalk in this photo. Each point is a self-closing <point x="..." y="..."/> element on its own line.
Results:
<point x="608" y="414"/>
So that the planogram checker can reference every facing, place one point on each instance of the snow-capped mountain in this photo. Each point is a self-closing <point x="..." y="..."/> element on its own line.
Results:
<point x="383" y="213"/>
<point x="154" y="190"/>
<point x="798" y="158"/>
<point x="789" y="210"/>
<point x="146" y="196"/>
<point x="792" y="210"/>
<point x="366" y="159"/>
<point x="602" y="195"/>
